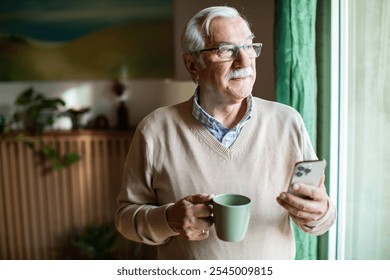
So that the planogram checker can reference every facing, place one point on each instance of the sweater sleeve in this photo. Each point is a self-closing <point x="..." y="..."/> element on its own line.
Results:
<point x="139" y="217"/>
<point x="322" y="225"/>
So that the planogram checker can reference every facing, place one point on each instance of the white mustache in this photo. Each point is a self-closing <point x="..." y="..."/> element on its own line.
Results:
<point x="239" y="73"/>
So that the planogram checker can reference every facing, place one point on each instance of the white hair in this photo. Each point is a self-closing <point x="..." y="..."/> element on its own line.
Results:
<point x="197" y="29"/>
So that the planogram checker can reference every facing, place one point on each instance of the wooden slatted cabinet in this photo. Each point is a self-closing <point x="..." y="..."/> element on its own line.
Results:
<point x="40" y="209"/>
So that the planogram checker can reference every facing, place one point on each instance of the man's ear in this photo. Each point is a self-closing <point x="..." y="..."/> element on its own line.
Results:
<point x="192" y="66"/>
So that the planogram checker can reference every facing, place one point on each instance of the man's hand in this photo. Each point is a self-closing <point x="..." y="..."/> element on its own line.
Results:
<point x="305" y="210"/>
<point x="190" y="216"/>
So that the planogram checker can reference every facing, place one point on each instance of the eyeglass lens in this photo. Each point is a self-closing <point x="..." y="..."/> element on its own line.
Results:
<point x="231" y="52"/>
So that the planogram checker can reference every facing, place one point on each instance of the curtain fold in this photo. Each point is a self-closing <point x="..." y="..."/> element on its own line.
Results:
<point x="296" y="79"/>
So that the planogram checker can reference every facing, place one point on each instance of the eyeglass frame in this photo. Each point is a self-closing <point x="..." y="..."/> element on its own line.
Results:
<point x="236" y="49"/>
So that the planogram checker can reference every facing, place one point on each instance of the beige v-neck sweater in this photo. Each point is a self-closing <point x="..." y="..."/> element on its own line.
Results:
<point x="172" y="156"/>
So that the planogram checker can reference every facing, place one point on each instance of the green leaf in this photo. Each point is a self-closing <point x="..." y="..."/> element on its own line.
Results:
<point x="50" y="152"/>
<point x="25" y="97"/>
<point x="16" y="117"/>
<point x="71" y="158"/>
<point x="58" y="165"/>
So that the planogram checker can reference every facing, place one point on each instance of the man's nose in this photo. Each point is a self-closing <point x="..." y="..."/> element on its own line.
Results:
<point x="242" y="59"/>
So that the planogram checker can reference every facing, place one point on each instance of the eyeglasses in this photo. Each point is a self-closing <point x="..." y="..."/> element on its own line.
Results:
<point x="230" y="52"/>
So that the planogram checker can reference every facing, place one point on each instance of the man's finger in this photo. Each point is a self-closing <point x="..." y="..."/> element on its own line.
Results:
<point x="201" y="210"/>
<point x="199" y="198"/>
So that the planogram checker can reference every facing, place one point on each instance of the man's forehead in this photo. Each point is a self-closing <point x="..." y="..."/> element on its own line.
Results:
<point x="230" y="41"/>
<point x="227" y="30"/>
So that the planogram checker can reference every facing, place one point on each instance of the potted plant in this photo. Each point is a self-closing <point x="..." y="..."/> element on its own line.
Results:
<point x="95" y="242"/>
<point x="36" y="112"/>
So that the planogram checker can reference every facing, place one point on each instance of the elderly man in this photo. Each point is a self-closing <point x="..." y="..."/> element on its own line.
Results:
<point x="222" y="140"/>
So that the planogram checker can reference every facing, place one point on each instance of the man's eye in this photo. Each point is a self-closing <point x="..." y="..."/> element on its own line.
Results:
<point x="227" y="51"/>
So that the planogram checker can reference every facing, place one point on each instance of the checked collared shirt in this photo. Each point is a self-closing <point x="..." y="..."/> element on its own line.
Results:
<point x="223" y="134"/>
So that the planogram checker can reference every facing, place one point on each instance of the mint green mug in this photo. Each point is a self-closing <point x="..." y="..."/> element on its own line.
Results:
<point x="231" y="216"/>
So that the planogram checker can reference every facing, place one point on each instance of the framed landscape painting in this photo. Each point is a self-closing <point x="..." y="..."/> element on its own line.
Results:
<point x="97" y="39"/>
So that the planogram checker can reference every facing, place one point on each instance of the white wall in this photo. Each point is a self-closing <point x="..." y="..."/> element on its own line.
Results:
<point x="142" y="97"/>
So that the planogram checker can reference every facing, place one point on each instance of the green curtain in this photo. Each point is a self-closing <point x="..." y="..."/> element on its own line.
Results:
<point x="296" y="78"/>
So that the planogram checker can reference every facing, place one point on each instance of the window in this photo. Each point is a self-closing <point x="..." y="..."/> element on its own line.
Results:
<point x="360" y="129"/>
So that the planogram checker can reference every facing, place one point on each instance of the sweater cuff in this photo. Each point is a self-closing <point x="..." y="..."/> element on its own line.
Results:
<point x="324" y="223"/>
<point x="158" y="219"/>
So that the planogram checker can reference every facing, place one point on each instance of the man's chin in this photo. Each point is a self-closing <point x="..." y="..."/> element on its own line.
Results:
<point x="242" y="91"/>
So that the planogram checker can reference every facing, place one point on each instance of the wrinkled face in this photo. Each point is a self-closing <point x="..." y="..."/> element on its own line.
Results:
<point x="214" y="77"/>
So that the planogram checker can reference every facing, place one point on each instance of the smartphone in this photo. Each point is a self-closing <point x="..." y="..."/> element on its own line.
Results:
<point x="307" y="172"/>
